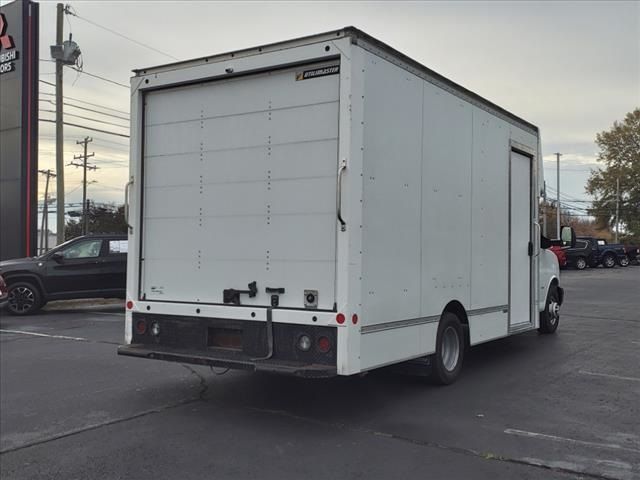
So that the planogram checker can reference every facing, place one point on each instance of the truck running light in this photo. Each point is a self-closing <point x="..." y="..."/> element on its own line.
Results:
<point x="304" y="343"/>
<point x="354" y="318"/>
<point x="155" y="329"/>
<point x="141" y="327"/>
<point x="340" y="318"/>
<point x="129" y="305"/>
<point x="324" y="344"/>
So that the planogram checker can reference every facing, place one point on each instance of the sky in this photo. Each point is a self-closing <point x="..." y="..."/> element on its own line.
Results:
<point x="572" y="68"/>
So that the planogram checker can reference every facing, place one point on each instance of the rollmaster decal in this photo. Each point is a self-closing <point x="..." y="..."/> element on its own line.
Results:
<point x="6" y="43"/>
<point x="318" y="72"/>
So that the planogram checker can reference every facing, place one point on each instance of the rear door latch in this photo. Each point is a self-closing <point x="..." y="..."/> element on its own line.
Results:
<point x="231" y="295"/>
<point x="275" y="295"/>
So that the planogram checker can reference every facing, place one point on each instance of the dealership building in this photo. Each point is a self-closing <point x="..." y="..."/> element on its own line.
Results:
<point x="19" y="27"/>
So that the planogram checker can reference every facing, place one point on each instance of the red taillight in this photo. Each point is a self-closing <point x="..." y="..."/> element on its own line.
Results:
<point x="354" y="318"/>
<point x="340" y="318"/>
<point x="324" y="344"/>
<point x="141" y="327"/>
<point x="129" y="305"/>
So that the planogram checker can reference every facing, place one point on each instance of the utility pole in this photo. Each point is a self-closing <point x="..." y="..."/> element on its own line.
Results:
<point x="558" y="155"/>
<point x="59" y="132"/>
<point x="84" y="157"/>
<point x="617" y="207"/>
<point x="44" y="233"/>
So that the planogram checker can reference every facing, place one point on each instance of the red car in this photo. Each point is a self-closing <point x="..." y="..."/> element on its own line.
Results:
<point x="560" y="253"/>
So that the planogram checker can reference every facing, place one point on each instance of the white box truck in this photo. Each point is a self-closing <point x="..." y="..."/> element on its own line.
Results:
<point x="327" y="206"/>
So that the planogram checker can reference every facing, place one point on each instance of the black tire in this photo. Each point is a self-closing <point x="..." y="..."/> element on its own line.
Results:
<point x="581" y="263"/>
<point x="548" y="319"/>
<point x="24" y="299"/>
<point x="446" y="363"/>
<point x="608" y="261"/>
<point x="624" y="261"/>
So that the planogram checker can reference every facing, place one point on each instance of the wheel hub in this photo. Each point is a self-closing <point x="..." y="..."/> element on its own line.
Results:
<point x="21" y="299"/>
<point x="554" y="311"/>
<point x="450" y="348"/>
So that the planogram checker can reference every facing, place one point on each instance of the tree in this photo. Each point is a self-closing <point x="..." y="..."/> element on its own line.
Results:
<point x="620" y="154"/>
<point x="102" y="219"/>
<point x="583" y="225"/>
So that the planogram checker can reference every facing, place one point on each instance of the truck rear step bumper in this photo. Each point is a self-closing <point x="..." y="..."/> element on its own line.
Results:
<point x="157" y="352"/>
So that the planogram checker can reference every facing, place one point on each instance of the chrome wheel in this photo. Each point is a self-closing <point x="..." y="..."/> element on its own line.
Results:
<point x="581" y="264"/>
<point x="450" y="348"/>
<point x="609" y="261"/>
<point x="21" y="299"/>
<point x="624" y="261"/>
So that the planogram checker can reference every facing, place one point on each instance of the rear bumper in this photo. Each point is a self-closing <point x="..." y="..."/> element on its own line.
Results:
<point x="223" y="360"/>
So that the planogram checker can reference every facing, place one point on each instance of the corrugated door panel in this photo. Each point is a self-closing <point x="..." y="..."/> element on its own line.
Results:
<point x="240" y="186"/>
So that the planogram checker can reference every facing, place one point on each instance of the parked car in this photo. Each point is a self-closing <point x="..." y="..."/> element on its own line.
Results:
<point x="607" y="254"/>
<point x="561" y="254"/>
<point x="4" y="292"/>
<point x="581" y="256"/>
<point x="633" y="252"/>
<point x="91" y="266"/>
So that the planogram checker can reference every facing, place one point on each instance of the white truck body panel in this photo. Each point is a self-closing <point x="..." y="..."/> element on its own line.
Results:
<point x="234" y="173"/>
<point x="240" y="181"/>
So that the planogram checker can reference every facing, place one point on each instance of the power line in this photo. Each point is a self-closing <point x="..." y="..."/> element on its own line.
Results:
<point x="86" y="118"/>
<point x="85" y="108"/>
<point x="88" y="103"/>
<point x="100" y="78"/>
<point x="86" y="128"/>
<point x="100" y="139"/>
<point x="121" y="35"/>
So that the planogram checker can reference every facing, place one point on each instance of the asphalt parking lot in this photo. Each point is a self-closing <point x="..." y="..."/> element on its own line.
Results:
<point x="529" y="406"/>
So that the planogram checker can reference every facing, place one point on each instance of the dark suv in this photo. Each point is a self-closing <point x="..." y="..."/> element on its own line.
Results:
<point x="583" y="255"/>
<point x="91" y="266"/>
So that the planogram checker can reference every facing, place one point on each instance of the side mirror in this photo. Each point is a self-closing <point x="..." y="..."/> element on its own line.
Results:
<point x="57" y="257"/>
<point x="568" y="236"/>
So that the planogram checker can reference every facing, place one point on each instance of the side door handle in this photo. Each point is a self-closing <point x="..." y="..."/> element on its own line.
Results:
<point x="341" y="170"/>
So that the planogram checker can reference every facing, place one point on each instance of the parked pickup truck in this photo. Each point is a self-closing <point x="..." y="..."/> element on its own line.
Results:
<point x="607" y="254"/>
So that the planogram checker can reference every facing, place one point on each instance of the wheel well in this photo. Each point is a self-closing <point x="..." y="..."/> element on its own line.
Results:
<point x="458" y="310"/>
<point x="11" y="279"/>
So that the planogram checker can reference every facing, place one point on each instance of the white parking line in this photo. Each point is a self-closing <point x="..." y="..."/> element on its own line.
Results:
<point x="63" y="337"/>
<point x="554" y="438"/>
<point x="607" y="375"/>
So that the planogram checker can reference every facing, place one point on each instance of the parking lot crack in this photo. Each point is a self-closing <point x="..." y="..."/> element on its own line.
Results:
<point x="429" y="444"/>
<point x="95" y="426"/>
<point x="203" y="381"/>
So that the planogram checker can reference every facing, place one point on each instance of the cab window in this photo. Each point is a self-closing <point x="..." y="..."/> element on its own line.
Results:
<point x="83" y="249"/>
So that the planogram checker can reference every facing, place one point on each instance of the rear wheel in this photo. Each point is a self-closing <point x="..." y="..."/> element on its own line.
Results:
<point x="24" y="298"/>
<point x="550" y="317"/>
<point x="581" y="263"/>
<point x="447" y="361"/>
<point x="624" y="261"/>
<point x="609" y="261"/>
